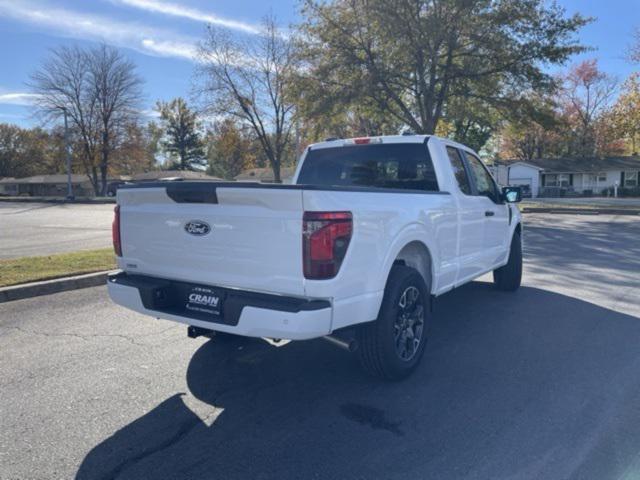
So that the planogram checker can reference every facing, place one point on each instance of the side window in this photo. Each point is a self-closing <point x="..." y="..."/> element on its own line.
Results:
<point x="458" y="170"/>
<point x="482" y="179"/>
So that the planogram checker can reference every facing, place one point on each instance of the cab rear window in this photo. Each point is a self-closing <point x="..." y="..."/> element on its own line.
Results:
<point x="395" y="165"/>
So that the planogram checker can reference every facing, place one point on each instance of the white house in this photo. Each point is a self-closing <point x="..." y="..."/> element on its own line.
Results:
<point x="46" y="186"/>
<point x="555" y="177"/>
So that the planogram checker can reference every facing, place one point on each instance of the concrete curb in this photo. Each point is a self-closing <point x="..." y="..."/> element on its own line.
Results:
<point x="583" y="211"/>
<point x="47" y="287"/>
<point x="90" y="201"/>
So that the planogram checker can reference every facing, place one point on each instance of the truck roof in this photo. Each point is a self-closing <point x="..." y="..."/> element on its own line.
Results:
<point x="340" y="142"/>
<point x="406" y="138"/>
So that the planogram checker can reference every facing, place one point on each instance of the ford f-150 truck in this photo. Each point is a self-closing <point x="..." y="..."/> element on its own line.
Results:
<point x="369" y="231"/>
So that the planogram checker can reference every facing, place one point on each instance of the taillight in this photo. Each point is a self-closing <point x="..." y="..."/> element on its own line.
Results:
<point x="325" y="239"/>
<point x="115" y="231"/>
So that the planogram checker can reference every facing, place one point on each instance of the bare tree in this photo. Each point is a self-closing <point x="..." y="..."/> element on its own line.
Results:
<point x="63" y="84"/>
<point x="249" y="80"/>
<point x="118" y="93"/>
<point x="100" y="91"/>
<point x="585" y="95"/>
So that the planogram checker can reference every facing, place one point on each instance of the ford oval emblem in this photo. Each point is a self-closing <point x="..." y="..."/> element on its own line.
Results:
<point x="197" y="227"/>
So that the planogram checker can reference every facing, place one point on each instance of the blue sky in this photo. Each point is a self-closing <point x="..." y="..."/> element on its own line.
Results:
<point x="158" y="35"/>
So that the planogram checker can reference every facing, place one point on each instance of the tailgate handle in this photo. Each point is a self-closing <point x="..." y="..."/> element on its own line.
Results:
<point x="192" y="192"/>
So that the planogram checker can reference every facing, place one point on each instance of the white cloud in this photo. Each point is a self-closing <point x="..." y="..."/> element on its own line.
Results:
<point x="17" y="98"/>
<point x="11" y="116"/>
<point x="178" y="10"/>
<point x="68" y="23"/>
<point x="170" y="48"/>
<point x="150" y="113"/>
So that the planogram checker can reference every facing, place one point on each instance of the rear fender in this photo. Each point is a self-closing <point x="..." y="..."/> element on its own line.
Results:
<point x="414" y="233"/>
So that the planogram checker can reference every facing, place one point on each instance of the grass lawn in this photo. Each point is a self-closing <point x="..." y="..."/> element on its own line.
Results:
<point x="31" y="269"/>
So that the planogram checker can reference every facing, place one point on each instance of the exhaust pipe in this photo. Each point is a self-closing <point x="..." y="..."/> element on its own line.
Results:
<point x="351" y="344"/>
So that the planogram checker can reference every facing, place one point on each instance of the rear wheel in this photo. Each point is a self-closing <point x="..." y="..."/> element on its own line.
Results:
<point x="509" y="277"/>
<point x="391" y="347"/>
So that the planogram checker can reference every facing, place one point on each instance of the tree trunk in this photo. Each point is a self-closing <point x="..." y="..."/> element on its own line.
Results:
<point x="103" y="179"/>
<point x="104" y="164"/>
<point x="185" y="161"/>
<point x="94" y="181"/>
<point x="275" y="166"/>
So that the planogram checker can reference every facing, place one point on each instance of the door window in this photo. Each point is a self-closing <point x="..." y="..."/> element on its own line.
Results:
<point x="630" y="179"/>
<point x="564" y="180"/>
<point x="458" y="170"/>
<point x="558" y="180"/>
<point x="483" y="181"/>
<point x="550" y="180"/>
<point x="594" y="179"/>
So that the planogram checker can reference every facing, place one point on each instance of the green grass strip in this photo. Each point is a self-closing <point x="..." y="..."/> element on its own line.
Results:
<point x="31" y="269"/>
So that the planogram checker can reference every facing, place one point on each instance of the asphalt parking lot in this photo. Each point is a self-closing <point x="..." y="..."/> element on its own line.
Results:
<point x="538" y="384"/>
<point x="30" y="229"/>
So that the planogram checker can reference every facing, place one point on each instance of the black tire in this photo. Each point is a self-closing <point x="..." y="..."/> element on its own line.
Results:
<point x="509" y="277"/>
<point x="379" y="346"/>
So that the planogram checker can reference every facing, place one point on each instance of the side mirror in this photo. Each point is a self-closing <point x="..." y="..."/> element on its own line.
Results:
<point x="512" y="194"/>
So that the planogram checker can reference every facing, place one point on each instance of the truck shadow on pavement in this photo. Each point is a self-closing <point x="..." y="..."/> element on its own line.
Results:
<point x="526" y="385"/>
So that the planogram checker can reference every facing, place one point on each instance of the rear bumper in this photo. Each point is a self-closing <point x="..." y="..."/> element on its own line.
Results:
<point x="244" y="313"/>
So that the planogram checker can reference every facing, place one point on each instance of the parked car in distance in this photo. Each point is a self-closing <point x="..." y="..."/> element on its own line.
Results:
<point x="356" y="248"/>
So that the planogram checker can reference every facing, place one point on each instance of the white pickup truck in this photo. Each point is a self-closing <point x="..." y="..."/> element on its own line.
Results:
<point x="367" y="233"/>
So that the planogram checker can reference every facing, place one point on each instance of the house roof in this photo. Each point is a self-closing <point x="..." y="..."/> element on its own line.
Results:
<point x="79" y="178"/>
<point x="75" y="178"/>
<point x="164" y="174"/>
<point x="583" y="165"/>
<point x="50" y="179"/>
<point x="265" y="174"/>
<point x="527" y="164"/>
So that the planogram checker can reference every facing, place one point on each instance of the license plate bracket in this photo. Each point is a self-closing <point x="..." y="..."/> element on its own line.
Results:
<point x="204" y="300"/>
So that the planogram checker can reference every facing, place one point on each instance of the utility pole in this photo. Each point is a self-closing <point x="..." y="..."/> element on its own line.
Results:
<point x="67" y="148"/>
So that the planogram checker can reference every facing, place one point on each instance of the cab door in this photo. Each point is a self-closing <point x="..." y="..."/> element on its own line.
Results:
<point x="471" y="221"/>
<point x="496" y="239"/>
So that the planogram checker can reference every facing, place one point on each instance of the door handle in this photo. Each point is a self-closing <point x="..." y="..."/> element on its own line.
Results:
<point x="489" y="213"/>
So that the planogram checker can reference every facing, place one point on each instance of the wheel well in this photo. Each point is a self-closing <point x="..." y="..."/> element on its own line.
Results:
<point x="416" y="255"/>
<point x="518" y="229"/>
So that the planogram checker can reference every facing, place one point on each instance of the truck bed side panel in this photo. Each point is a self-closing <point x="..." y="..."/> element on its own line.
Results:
<point x="383" y="224"/>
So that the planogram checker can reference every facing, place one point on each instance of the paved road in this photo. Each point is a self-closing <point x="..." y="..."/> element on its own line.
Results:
<point x="28" y="229"/>
<point x="621" y="202"/>
<point x="540" y="384"/>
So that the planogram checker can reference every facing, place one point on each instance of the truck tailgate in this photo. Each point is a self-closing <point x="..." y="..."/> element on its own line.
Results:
<point x="214" y="234"/>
